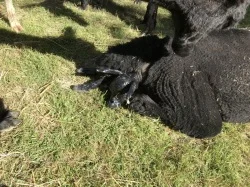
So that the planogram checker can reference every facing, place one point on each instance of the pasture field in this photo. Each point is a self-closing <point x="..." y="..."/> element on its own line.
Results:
<point x="72" y="139"/>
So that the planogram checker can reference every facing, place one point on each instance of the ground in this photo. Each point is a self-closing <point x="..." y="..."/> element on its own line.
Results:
<point x="73" y="139"/>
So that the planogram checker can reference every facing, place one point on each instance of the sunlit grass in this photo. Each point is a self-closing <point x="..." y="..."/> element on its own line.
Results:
<point x="73" y="139"/>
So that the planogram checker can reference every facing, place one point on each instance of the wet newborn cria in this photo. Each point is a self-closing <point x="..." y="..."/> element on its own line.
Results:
<point x="192" y="94"/>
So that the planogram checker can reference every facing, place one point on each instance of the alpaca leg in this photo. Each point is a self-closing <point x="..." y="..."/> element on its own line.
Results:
<point x="14" y="23"/>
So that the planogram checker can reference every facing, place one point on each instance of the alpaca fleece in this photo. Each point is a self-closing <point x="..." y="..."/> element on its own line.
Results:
<point x="193" y="94"/>
<point x="194" y="19"/>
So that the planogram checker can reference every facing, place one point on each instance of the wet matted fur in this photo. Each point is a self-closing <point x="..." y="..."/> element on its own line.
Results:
<point x="192" y="94"/>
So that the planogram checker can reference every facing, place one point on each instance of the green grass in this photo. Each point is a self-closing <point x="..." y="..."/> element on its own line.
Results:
<point x="73" y="139"/>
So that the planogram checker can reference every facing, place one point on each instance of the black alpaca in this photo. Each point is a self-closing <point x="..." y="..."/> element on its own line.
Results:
<point x="194" y="19"/>
<point x="192" y="94"/>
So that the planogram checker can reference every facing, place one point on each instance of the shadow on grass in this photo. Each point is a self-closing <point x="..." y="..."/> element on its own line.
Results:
<point x="125" y="13"/>
<point x="66" y="46"/>
<point x="131" y="16"/>
<point x="134" y="17"/>
<point x="57" y="8"/>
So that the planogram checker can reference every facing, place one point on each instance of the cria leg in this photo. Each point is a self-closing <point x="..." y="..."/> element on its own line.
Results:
<point x="122" y="86"/>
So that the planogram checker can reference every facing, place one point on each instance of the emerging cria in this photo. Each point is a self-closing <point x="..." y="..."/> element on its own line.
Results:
<point x="192" y="94"/>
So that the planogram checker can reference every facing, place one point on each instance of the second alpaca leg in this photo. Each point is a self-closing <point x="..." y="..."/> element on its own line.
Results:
<point x="14" y="23"/>
<point x="150" y="17"/>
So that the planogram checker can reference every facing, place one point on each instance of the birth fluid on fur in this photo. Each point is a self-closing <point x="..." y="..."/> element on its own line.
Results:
<point x="192" y="94"/>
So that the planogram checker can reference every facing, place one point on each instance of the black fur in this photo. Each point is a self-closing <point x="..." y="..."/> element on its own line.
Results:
<point x="194" y="19"/>
<point x="8" y="119"/>
<point x="193" y="94"/>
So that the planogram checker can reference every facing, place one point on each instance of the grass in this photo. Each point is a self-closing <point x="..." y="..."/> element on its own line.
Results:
<point x="73" y="139"/>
